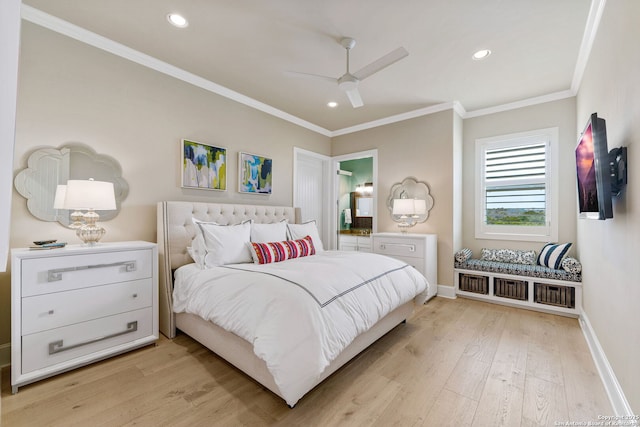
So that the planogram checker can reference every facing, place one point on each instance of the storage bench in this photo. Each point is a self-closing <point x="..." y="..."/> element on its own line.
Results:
<point x="521" y="285"/>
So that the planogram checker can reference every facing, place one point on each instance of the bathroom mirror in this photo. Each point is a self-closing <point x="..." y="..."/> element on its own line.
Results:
<point x="410" y="189"/>
<point x="48" y="167"/>
<point x="364" y="206"/>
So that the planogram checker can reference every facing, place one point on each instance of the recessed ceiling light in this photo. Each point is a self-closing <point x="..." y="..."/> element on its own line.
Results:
<point x="481" y="54"/>
<point x="332" y="104"/>
<point x="177" y="20"/>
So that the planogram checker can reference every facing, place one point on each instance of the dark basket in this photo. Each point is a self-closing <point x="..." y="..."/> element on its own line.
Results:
<point x="514" y="289"/>
<point x="475" y="284"/>
<point x="557" y="295"/>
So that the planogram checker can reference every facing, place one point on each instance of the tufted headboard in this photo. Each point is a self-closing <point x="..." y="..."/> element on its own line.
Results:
<point x="176" y="230"/>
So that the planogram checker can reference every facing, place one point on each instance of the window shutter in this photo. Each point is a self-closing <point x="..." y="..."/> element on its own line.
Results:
<point x="515" y="185"/>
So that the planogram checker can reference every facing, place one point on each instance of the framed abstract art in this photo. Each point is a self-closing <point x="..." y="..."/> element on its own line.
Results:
<point x="203" y="166"/>
<point x="255" y="174"/>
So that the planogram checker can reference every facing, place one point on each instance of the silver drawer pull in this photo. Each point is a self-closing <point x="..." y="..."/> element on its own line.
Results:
<point x="412" y="248"/>
<point x="58" y="346"/>
<point x="56" y="274"/>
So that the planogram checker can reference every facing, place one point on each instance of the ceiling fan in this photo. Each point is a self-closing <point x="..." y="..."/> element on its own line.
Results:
<point x="348" y="82"/>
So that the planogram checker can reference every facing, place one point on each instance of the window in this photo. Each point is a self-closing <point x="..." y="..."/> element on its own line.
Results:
<point x="516" y="189"/>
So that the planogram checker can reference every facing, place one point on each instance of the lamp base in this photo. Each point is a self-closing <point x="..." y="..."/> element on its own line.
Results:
<point x="90" y="233"/>
<point x="404" y="226"/>
<point x="77" y="217"/>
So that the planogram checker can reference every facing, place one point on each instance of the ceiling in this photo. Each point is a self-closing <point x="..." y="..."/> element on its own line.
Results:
<point x="251" y="46"/>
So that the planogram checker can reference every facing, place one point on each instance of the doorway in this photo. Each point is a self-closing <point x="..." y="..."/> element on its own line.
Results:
<point x="355" y="195"/>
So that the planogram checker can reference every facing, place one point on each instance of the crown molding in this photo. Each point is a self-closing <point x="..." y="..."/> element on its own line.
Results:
<point x="519" y="104"/>
<point x="63" y="27"/>
<point x="590" y="31"/>
<point x="60" y="26"/>
<point x="396" y="118"/>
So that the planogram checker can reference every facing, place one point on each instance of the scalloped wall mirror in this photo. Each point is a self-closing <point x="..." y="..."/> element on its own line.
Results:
<point x="409" y="202"/>
<point x="48" y="167"/>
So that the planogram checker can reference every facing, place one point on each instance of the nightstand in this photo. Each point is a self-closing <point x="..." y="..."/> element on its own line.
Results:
<point x="418" y="250"/>
<point x="80" y="304"/>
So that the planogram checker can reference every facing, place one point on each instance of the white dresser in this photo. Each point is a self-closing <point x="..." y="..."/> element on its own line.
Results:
<point x="417" y="250"/>
<point x="79" y="304"/>
<point x="354" y="242"/>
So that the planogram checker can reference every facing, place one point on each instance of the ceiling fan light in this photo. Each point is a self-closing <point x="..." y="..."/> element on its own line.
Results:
<point x="348" y="82"/>
<point x="481" y="54"/>
<point x="177" y="20"/>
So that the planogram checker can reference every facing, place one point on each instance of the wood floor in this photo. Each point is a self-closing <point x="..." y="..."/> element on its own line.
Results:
<point x="455" y="362"/>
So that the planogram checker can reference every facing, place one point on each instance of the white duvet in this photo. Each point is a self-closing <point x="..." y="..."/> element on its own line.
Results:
<point x="301" y="313"/>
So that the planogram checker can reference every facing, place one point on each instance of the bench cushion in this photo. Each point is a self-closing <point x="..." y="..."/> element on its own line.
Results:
<point x="518" y="270"/>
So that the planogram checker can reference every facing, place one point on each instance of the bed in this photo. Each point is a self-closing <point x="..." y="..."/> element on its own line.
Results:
<point x="176" y="230"/>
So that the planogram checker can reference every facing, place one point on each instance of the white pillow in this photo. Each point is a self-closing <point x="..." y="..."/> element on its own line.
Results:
<point x="225" y="244"/>
<point x="197" y="249"/>
<point x="300" y="231"/>
<point x="263" y="233"/>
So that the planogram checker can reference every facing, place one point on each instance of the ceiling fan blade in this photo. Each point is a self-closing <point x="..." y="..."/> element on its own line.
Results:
<point x="354" y="97"/>
<point x="310" y="75"/>
<point x="381" y="63"/>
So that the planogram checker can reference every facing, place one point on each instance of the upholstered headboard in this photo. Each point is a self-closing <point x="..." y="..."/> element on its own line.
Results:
<point x="176" y="231"/>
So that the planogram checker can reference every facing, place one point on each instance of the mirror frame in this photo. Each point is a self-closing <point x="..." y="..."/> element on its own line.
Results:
<point x="49" y="166"/>
<point x="410" y="188"/>
<point x="358" y="222"/>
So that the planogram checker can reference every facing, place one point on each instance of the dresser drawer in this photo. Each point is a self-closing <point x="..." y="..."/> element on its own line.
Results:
<point x="399" y="247"/>
<point x="75" y="341"/>
<point x="61" y="273"/>
<point x="42" y="312"/>
<point x="417" y="263"/>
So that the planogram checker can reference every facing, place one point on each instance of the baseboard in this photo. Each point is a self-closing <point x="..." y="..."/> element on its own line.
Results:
<point x="612" y="386"/>
<point x="447" y="292"/>
<point x="5" y="355"/>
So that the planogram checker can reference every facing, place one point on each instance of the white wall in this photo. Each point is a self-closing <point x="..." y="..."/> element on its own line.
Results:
<point x="609" y="249"/>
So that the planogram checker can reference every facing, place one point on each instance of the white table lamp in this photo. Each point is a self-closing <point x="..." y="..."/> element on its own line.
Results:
<point x="90" y="195"/>
<point x="408" y="210"/>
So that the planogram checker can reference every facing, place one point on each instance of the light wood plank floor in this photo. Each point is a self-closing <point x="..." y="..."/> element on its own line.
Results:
<point x="455" y="362"/>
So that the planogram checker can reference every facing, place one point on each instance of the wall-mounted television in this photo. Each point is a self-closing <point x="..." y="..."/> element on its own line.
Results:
<point x="593" y="171"/>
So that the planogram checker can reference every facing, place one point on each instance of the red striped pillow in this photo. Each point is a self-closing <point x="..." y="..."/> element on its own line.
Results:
<point x="265" y="253"/>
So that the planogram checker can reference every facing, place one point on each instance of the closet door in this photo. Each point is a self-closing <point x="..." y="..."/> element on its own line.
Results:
<point x="311" y="189"/>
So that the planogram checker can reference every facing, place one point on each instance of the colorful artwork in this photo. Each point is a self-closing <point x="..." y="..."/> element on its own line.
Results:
<point x="255" y="174"/>
<point x="204" y="166"/>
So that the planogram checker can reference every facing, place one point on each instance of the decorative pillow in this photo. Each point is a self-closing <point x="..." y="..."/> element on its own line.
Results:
<point x="275" y="232"/>
<point x="225" y="244"/>
<point x="512" y="256"/>
<point x="571" y="265"/>
<point x="552" y="254"/>
<point x="463" y="255"/>
<point x="300" y="231"/>
<point x="490" y="254"/>
<point x="523" y="257"/>
<point x="265" y="253"/>
<point x="197" y="250"/>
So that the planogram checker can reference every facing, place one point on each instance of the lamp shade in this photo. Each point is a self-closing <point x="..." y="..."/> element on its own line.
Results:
<point x="58" y="200"/>
<point x="403" y="207"/>
<point x="90" y="194"/>
<point x="420" y="206"/>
